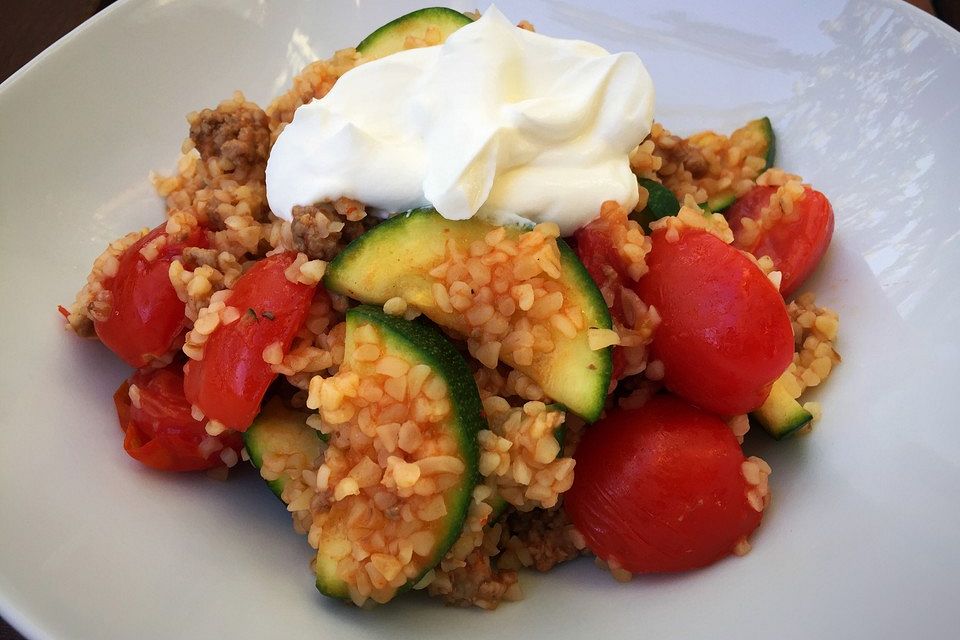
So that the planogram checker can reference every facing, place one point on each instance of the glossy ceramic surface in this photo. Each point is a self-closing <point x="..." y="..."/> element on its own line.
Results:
<point x="861" y="540"/>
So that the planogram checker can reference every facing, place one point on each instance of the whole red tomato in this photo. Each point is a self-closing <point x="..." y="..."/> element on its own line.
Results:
<point x="724" y="335"/>
<point x="660" y="488"/>
<point x="146" y="316"/>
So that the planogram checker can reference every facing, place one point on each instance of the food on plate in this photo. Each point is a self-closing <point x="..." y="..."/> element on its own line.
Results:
<point x="468" y="309"/>
<point x="497" y="123"/>
<point x="279" y="433"/>
<point x="244" y="331"/>
<point x="724" y="334"/>
<point x="138" y="314"/>
<point x="665" y="488"/>
<point x="159" y="427"/>
<point x="431" y="25"/>
<point x="517" y="297"/>
<point x="792" y="224"/>
<point x="403" y="414"/>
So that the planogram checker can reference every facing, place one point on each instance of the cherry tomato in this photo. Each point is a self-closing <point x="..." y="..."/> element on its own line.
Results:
<point x="724" y="335"/>
<point x="596" y="248"/>
<point x="795" y="246"/>
<point x="229" y="382"/>
<point x="146" y="316"/>
<point x="660" y="488"/>
<point x="161" y="432"/>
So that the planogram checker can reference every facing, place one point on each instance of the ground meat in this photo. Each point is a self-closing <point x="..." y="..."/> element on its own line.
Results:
<point x="240" y="135"/>
<point x="544" y="534"/>
<point x="320" y="231"/>
<point x="196" y="256"/>
<point x="478" y="584"/>
<point x="233" y="141"/>
<point x="689" y="156"/>
<point x="573" y="430"/>
<point x="81" y="325"/>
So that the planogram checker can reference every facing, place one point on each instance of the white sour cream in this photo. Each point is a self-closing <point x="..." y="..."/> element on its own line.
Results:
<point x="497" y="122"/>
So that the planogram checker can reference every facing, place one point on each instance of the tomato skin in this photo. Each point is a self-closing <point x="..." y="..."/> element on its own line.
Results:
<point x="228" y="384"/>
<point x="660" y="488"/>
<point x="724" y="335"/>
<point x="796" y="247"/>
<point x="161" y="433"/>
<point x="146" y="317"/>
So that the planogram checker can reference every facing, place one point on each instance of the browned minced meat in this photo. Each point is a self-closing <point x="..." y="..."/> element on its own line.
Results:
<point x="572" y="434"/>
<point x="478" y="584"/>
<point x="199" y="257"/>
<point x="544" y="533"/>
<point x="83" y="327"/>
<point x="320" y="232"/>
<point x="240" y="135"/>
<point x="688" y="155"/>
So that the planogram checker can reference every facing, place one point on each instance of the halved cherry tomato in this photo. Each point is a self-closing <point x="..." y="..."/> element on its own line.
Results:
<point x="660" y="488"/>
<point x="724" y="335"/>
<point x="795" y="246"/>
<point x="596" y="249"/>
<point x="146" y="316"/>
<point x="229" y="382"/>
<point x="161" y="432"/>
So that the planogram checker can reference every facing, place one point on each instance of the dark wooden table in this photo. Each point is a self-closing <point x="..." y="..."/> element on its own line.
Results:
<point x="30" y="26"/>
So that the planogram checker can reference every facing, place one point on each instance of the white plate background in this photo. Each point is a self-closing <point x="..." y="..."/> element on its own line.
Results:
<point x="862" y="538"/>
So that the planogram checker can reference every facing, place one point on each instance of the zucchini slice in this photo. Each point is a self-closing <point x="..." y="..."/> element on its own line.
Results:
<point x="661" y="203"/>
<point x="719" y="202"/>
<point x="279" y="430"/>
<point x="499" y="505"/>
<point x="392" y="37"/>
<point x="768" y="148"/>
<point x="758" y="139"/>
<point x="404" y="413"/>
<point x="780" y="414"/>
<point x="400" y="258"/>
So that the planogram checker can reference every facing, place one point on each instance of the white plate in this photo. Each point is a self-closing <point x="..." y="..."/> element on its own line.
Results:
<point x="862" y="539"/>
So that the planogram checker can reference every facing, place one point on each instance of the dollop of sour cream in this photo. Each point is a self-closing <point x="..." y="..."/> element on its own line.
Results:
<point x="497" y="122"/>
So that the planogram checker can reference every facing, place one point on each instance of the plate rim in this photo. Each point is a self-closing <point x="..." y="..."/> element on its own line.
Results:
<point x="21" y="622"/>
